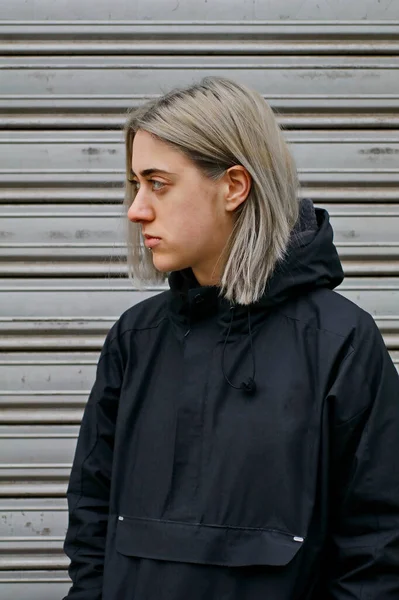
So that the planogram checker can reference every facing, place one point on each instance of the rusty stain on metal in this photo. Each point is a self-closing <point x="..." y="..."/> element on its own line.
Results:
<point x="82" y="234"/>
<point x="330" y="74"/>
<point x="350" y="234"/>
<point x="91" y="151"/>
<point x="377" y="151"/>
<point x="57" y="235"/>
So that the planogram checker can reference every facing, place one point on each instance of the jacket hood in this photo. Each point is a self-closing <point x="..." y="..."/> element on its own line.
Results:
<point x="311" y="262"/>
<point x="311" y="259"/>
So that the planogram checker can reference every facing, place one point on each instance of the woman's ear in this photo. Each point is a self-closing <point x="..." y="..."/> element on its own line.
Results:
<point x="238" y="184"/>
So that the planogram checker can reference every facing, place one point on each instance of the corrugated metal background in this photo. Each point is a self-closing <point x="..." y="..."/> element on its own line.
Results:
<point x="330" y="69"/>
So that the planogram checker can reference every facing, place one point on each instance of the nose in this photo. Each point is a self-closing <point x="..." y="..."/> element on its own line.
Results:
<point x="140" y="209"/>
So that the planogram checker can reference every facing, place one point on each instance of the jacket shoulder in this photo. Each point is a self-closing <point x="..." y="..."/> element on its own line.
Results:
<point x="146" y="314"/>
<point x="331" y="312"/>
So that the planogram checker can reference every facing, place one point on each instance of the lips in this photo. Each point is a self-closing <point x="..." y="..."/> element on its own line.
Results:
<point x="151" y="241"/>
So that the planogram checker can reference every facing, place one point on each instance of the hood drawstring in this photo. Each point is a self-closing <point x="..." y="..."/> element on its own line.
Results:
<point x="249" y="385"/>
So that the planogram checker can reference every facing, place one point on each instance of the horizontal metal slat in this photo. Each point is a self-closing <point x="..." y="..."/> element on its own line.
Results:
<point x="47" y="334"/>
<point x="31" y="537"/>
<point x="221" y="11"/>
<point x="116" y="105"/>
<point x="71" y="182"/>
<point x="35" y="557"/>
<point x="289" y="83"/>
<point x="40" y="447"/>
<point x="34" y="585"/>
<point x="60" y="194"/>
<point x="51" y="373"/>
<point x="179" y="37"/>
<point x="35" y="483"/>
<point x="354" y="194"/>
<point x="292" y="120"/>
<point x="42" y="408"/>
<point x="32" y="532"/>
<point x="50" y="194"/>
<point x="100" y="268"/>
<point x="43" y="45"/>
<point x="180" y="64"/>
<point x="47" y="92"/>
<point x="26" y="517"/>
<point x="87" y="156"/>
<point x="247" y="47"/>
<point x="45" y="388"/>
<point x="20" y="139"/>
<point x="77" y="241"/>
<point x="50" y="300"/>
<point x="39" y="460"/>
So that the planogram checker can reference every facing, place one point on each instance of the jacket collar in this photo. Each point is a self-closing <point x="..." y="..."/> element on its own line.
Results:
<point x="311" y="261"/>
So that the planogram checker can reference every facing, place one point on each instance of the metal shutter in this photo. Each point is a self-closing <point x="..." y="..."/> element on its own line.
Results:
<point x="330" y="69"/>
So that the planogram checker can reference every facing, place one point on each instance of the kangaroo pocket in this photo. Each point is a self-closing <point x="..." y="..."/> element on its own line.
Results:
<point x="204" y="544"/>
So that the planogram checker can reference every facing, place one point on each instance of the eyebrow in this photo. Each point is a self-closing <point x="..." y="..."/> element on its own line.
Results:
<point x="151" y="171"/>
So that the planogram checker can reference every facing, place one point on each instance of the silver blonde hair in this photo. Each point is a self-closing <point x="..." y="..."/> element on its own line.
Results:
<point x="218" y="123"/>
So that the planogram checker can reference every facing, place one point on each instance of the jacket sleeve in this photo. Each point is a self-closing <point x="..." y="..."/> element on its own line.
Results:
<point x="363" y="557"/>
<point x="89" y="484"/>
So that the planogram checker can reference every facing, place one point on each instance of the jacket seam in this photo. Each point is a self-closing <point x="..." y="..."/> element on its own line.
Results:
<point x="353" y="418"/>
<point x="119" y="336"/>
<point x="312" y="327"/>
<point x="209" y="525"/>
<point x="81" y="494"/>
<point x="350" y="352"/>
<point x="370" y="403"/>
<point x="90" y="452"/>
<point x="361" y="410"/>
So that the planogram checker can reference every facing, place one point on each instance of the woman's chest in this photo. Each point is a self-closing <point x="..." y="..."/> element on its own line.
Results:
<point x="189" y="446"/>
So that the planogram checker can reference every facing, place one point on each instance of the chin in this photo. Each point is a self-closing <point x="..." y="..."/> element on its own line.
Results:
<point x="165" y="264"/>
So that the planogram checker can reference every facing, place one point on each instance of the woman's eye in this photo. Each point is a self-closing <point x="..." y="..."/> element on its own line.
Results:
<point x="136" y="185"/>
<point x="157" y="185"/>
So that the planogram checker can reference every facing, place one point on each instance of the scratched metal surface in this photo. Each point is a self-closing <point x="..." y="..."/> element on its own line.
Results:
<point x="223" y="10"/>
<point x="329" y="69"/>
<point x="308" y="91"/>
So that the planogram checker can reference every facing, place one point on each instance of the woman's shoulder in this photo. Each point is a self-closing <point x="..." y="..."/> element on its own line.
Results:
<point x="334" y="313"/>
<point x="148" y="313"/>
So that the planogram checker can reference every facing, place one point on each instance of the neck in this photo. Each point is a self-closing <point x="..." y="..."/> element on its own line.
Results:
<point x="206" y="276"/>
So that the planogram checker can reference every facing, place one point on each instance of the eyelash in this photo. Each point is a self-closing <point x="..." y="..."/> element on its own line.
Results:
<point x="136" y="185"/>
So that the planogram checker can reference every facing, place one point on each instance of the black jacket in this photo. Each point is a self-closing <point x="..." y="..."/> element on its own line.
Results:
<point x="184" y="487"/>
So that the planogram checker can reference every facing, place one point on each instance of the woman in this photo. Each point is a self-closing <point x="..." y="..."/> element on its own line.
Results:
<point x="240" y="441"/>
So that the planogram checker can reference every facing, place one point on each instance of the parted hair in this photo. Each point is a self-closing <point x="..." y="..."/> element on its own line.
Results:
<point x="218" y="123"/>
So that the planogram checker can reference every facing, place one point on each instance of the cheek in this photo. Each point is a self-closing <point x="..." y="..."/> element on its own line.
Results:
<point x="199" y="217"/>
<point x="194" y="226"/>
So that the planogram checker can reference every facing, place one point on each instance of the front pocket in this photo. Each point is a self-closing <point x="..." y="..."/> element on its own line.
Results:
<point x="204" y="544"/>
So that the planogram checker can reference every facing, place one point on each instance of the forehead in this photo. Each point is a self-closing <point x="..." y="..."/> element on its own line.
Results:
<point x="147" y="148"/>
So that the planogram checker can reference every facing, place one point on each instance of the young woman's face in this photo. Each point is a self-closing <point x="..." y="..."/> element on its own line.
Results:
<point x="186" y="218"/>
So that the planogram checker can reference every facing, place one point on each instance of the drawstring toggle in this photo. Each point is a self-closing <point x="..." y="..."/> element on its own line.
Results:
<point x="248" y="386"/>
